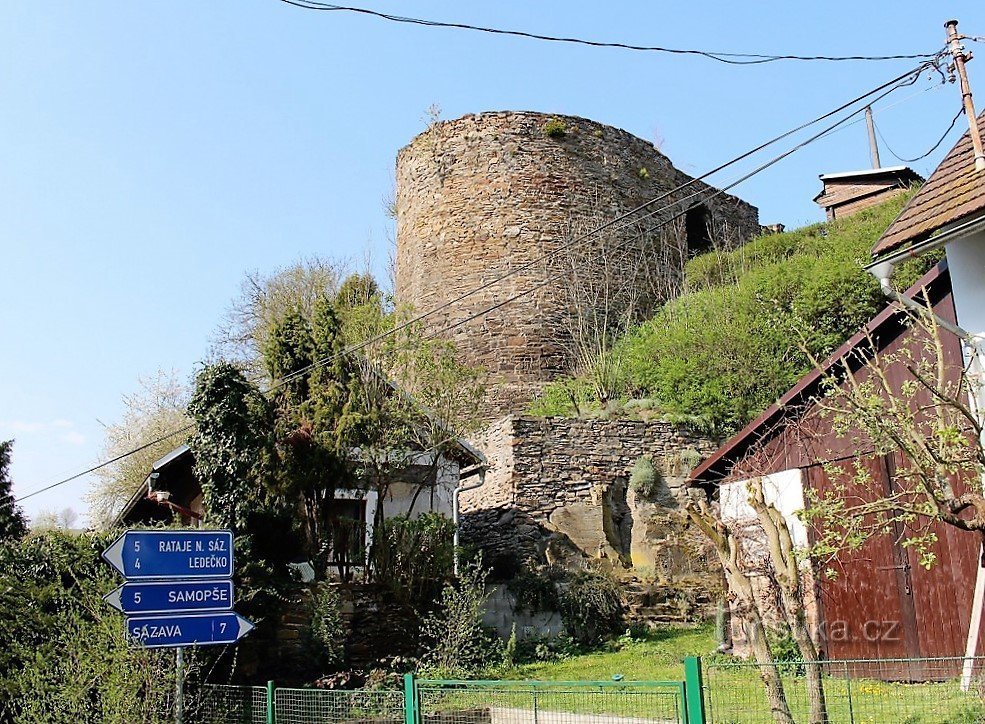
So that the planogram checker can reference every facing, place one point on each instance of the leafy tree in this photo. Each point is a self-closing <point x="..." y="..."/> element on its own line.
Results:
<point x="13" y="525"/>
<point x="234" y="462"/>
<point x="264" y="299"/>
<point x="914" y="402"/>
<point x="155" y="410"/>
<point x="63" y="520"/>
<point x="311" y="444"/>
<point x="231" y="444"/>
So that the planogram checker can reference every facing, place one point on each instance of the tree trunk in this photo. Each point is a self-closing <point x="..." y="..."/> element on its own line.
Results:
<point x="756" y="633"/>
<point x="728" y="549"/>
<point x="786" y="572"/>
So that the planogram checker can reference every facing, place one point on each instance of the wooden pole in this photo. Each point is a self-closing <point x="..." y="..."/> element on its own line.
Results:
<point x="873" y="146"/>
<point x="960" y="58"/>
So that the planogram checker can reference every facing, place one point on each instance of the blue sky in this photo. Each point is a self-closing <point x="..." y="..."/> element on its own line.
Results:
<point x="153" y="153"/>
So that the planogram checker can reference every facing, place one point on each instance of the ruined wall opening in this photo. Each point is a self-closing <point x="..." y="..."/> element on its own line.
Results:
<point x="697" y="230"/>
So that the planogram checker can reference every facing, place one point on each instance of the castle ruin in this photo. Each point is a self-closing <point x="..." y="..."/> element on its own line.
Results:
<point x="499" y="192"/>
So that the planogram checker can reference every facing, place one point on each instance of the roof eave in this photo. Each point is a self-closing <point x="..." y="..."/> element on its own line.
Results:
<point x="882" y="266"/>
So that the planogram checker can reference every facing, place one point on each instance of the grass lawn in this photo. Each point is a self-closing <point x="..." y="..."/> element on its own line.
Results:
<point x="734" y="694"/>
<point x="658" y="658"/>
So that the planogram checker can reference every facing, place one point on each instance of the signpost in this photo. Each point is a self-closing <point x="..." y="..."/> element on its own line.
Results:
<point x="179" y="591"/>
<point x="202" y="629"/>
<point x="167" y="596"/>
<point x="142" y="555"/>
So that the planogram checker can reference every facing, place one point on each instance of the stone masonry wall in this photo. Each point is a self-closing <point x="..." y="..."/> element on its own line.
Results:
<point x="488" y="193"/>
<point x="559" y="489"/>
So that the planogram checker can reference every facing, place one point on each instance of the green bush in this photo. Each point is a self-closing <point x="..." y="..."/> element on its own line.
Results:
<point x="326" y="630"/>
<point x="588" y="600"/>
<point x="591" y="607"/>
<point x="555" y="128"/>
<point x="414" y="557"/>
<point x="645" y="480"/>
<point x="728" y="347"/>
<point x="458" y="645"/>
<point x="65" y="655"/>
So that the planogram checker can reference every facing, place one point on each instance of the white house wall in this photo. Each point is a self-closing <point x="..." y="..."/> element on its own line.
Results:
<point x="400" y="496"/>
<point x="783" y="490"/>
<point x="966" y="264"/>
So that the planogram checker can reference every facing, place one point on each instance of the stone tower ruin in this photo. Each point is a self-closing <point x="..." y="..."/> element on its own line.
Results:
<point x="492" y="192"/>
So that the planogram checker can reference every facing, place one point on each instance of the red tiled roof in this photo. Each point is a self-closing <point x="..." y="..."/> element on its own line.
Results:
<point x="954" y="191"/>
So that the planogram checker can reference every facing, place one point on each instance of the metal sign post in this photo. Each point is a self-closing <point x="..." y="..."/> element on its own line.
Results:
<point x="177" y="593"/>
<point x="179" y="685"/>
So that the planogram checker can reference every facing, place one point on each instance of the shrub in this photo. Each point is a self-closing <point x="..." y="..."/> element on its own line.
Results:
<point x="415" y="557"/>
<point x="326" y="630"/>
<point x="459" y="646"/>
<point x="591" y="607"/>
<point x="555" y="128"/>
<point x="546" y="648"/>
<point x="65" y="656"/>
<point x="645" y="480"/>
<point x="588" y="601"/>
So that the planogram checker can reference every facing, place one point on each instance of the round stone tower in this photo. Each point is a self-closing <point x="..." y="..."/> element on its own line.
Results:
<point x="487" y="193"/>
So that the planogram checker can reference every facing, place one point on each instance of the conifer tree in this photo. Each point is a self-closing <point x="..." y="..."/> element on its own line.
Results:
<point x="12" y="522"/>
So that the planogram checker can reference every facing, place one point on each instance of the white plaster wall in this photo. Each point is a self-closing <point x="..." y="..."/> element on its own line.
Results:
<point x="784" y="490"/>
<point x="966" y="263"/>
<point x="439" y="500"/>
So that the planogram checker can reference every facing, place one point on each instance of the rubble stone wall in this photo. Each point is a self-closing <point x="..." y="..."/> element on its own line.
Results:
<point x="559" y="489"/>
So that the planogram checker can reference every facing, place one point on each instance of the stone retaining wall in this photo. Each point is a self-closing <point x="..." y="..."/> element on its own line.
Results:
<point x="559" y="489"/>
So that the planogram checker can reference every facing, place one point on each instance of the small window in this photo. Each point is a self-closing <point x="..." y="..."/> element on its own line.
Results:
<point x="696" y="231"/>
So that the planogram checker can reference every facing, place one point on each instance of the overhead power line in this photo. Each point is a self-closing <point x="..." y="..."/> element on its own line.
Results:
<point x="622" y="221"/>
<point x="721" y="57"/>
<point x="103" y="464"/>
<point x="932" y="148"/>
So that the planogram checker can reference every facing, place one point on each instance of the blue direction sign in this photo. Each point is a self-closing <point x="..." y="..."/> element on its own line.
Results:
<point x="185" y="554"/>
<point x="155" y="632"/>
<point x="172" y="596"/>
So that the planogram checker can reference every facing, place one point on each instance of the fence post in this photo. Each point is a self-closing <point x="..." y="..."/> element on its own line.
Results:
<point x="410" y="700"/>
<point x="271" y="703"/>
<point x="694" y="693"/>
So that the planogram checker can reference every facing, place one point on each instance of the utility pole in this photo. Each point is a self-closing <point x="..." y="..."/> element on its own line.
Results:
<point x="960" y="58"/>
<point x="873" y="146"/>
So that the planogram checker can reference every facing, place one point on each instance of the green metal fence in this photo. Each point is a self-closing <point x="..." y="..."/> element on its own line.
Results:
<point x="451" y="702"/>
<point x="549" y="702"/>
<point x="214" y="704"/>
<point x="859" y="691"/>
<point x="303" y="706"/>
<point x="720" y="691"/>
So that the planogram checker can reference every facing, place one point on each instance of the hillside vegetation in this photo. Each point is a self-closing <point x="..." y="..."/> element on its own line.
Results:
<point x="731" y="343"/>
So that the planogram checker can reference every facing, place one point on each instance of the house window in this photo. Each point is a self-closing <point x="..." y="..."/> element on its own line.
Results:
<point x="348" y="531"/>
